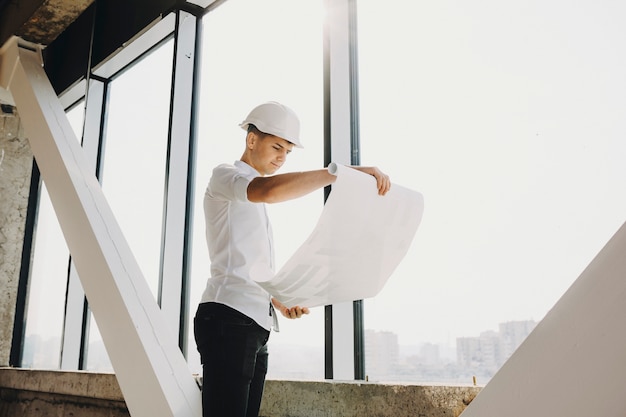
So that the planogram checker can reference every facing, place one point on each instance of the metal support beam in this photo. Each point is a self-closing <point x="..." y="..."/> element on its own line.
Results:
<point x="149" y="366"/>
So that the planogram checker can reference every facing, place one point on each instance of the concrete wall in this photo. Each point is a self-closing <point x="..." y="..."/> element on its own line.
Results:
<point x="15" y="172"/>
<point x="30" y="393"/>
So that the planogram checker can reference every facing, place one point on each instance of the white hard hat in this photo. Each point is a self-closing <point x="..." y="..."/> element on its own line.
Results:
<point x="275" y="119"/>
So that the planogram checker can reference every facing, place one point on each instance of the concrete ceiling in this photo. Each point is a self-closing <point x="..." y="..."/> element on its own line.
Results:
<point x="79" y="35"/>
<point x="38" y="21"/>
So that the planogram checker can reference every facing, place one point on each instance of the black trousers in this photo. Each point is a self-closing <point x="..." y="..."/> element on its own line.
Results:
<point x="233" y="352"/>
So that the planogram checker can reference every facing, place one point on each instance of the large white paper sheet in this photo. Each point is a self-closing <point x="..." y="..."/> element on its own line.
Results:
<point x="358" y="242"/>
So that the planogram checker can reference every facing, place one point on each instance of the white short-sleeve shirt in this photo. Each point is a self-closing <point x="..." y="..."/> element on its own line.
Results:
<point x="239" y="237"/>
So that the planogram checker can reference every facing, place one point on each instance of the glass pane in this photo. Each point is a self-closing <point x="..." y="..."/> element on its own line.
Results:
<point x="97" y="356"/>
<point x="46" y="295"/>
<point x="135" y="150"/>
<point x="509" y="119"/>
<point x="253" y="54"/>
<point x="133" y="178"/>
<point x="48" y="280"/>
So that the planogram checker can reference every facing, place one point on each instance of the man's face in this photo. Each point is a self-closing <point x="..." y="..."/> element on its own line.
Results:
<point x="268" y="153"/>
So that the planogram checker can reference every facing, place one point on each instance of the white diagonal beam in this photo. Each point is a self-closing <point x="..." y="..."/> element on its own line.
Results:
<point x="149" y="366"/>
<point x="573" y="363"/>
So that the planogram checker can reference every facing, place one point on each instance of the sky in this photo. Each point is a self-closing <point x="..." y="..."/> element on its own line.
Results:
<point x="507" y="117"/>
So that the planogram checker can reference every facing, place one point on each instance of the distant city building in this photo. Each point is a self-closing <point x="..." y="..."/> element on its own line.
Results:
<point x="513" y="333"/>
<point x="429" y="354"/>
<point x="381" y="353"/>
<point x="491" y="349"/>
<point x="477" y="358"/>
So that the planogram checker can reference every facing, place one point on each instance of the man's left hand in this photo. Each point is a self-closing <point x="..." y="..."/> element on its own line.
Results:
<point x="291" y="313"/>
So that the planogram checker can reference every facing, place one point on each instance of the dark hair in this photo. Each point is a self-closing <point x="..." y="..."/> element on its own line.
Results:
<point x="252" y="128"/>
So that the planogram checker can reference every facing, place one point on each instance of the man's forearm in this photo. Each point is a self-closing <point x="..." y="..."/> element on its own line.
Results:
<point x="283" y="187"/>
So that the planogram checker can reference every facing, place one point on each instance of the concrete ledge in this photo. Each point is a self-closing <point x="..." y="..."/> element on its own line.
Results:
<point x="76" y="383"/>
<point x="25" y="392"/>
<point x="352" y="399"/>
<point x="30" y="393"/>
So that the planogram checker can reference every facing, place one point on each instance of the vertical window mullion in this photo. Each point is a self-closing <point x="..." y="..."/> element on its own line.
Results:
<point x="344" y="321"/>
<point x="76" y="319"/>
<point x="179" y="176"/>
<point x="355" y="159"/>
<point x="21" y="307"/>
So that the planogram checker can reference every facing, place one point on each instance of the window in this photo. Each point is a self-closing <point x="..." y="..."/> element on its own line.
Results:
<point x="507" y="118"/>
<point x="48" y="280"/>
<point x="280" y="60"/>
<point x="133" y="175"/>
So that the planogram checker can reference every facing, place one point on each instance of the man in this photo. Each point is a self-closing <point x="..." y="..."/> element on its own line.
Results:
<point x="235" y="315"/>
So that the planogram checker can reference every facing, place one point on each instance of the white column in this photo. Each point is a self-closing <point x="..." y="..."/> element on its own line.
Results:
<point x="338" y="78"/>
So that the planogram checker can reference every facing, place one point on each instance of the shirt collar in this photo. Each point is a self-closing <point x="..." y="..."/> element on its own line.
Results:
<point x="246" y="168"/>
